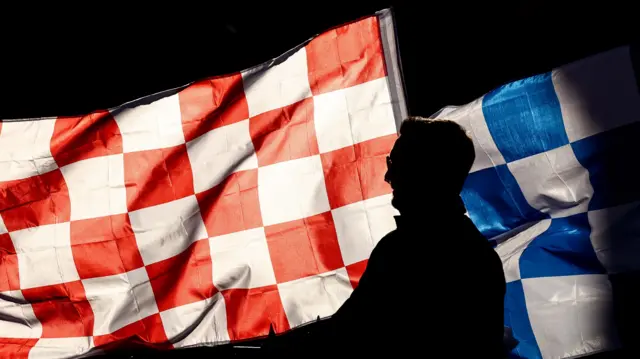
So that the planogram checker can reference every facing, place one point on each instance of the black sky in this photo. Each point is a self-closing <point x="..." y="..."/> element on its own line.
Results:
<point x="452" y="52"/>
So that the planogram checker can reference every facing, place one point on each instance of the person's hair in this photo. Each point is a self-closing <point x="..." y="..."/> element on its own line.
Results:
<point x="440" y="144"/>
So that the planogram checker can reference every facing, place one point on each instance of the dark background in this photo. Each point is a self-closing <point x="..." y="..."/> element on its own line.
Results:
<point x="70" y="61"/>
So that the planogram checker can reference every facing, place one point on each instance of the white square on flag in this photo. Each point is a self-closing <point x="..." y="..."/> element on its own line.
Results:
<point x="292" y="190"/>
<point x="167" y="229"/>
<point x="241" y="260"/>
<point x="284" y="84"/>
<point x="151" y="126"/>
<point x="220" y="152"/>
<point x="44" y="255"/>
<point x="96" y="187"/>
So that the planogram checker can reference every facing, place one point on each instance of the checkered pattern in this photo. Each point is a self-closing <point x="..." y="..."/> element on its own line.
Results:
<point x="205" y="215"/>
<point x="552" y="184"/>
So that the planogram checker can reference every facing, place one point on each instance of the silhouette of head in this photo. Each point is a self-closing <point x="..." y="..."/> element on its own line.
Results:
<point x="428" y="163"/>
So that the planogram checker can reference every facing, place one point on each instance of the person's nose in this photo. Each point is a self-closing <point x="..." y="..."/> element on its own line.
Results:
<point x="387" y="175"/>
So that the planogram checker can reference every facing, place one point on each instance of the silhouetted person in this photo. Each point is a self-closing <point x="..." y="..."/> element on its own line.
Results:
<point x="434" y="285"/>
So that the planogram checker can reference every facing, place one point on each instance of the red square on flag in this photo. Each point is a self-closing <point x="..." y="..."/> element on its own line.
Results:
<point x="62" y="309"/>
<point x="250" y="312"/>
<point x="184" y="278"/>
<point x="355" y="271"/>
<point x="344" y="57"/>
<point x="233" y="205"/>
<point x="34" y="201"/>
<point x="157" y="176"/>
<point x="109" y="238"/>
<point x="16" y="348"/>
<point x="79" y="138"/>
<point x="212" y="103"/>
<point x="284" y="134"/>
<point x="304" y="247"/>
<point x="10" y="276"/>
<point x="356" y="173"/>
<point x="147" y="332"/>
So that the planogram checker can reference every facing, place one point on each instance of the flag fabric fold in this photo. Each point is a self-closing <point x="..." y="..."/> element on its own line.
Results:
<point x="204" y="214"/>
<point x="553" y="186"/>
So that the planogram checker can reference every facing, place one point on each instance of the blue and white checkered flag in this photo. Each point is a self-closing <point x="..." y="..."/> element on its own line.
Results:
<point x="555" y="185"/>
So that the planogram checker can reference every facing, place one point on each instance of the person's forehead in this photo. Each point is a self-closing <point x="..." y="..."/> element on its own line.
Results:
<point x="397" y="148"/>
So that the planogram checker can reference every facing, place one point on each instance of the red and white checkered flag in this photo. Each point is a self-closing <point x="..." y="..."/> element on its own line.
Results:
<point x="201" y="215"/>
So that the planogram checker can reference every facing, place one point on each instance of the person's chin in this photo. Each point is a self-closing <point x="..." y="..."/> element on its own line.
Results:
<point x="395" y="202"/>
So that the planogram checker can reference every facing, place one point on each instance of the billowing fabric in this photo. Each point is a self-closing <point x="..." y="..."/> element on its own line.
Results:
<point x="554" y="185"/>
<point x="205" y="214"/>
